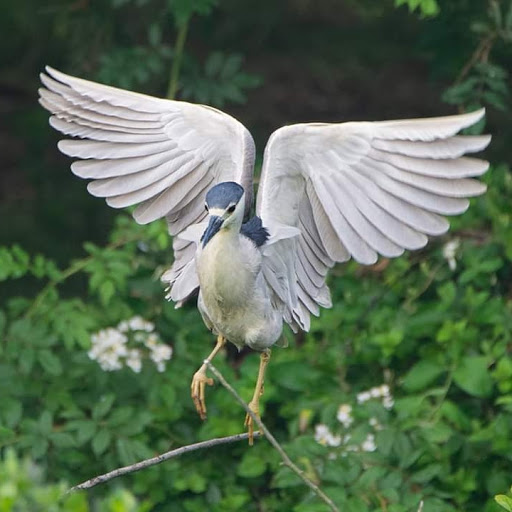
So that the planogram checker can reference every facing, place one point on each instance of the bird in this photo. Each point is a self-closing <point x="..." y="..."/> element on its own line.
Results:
<point x="328" y="193"/>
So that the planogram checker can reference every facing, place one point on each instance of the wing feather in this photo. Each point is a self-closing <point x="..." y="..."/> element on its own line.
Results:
<point x="363" y="189"/>
<point x="159" y="154"/>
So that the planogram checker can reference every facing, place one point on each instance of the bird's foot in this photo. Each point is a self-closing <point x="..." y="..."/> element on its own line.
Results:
<point x="197" y="388"/>
<point x="254" y="406"/>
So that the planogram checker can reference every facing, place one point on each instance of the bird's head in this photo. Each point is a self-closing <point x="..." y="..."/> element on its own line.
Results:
<point x="225" y="204"/>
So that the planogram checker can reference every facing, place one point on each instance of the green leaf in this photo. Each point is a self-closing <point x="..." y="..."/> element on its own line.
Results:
<point x="50" y="362"/>
<point x="86" y="430"/>
<point x="421" y="375"/>
<point x="473" y="376"/>
<point x="11" y="412"/>
<point x="251" y="466"/>
<point x="103" y="406"/>
<point x="46" y="423"/>
<point x="504" y="501"/>
<point x="124" y="451"/>
<point x="285" y="478"/>
<point x="427" y="473"/>
<point x="106" y="291"/>
<point x="100" y="441"/>
<point x="6" y="435"/>
<point x="62" y="440"/>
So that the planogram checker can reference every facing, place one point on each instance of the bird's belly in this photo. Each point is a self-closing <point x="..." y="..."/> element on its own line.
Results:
<point x="247" y="321"/>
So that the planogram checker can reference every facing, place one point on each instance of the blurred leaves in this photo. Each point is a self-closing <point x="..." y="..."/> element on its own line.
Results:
<point x="220" y="81"/>
<point x="426" y="8"/>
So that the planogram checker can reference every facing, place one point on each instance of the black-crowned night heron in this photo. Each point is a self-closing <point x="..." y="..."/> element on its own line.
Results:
<point x="328" y="192"/>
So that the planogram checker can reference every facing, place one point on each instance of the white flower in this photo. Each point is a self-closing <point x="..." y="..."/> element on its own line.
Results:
<point x="151" y="340"/>
<point x="160" y="366"/>
<point x="369" y="444"/>
<point x="375" y="424"/>
<point x="108" y="346"/>
<point x="123" y="326"/>
<point x="321" y="431"/>
<point x="384" y="390"/>
<point x="134" y="360"/>
<point x="450" y="251"/>
<point x="161" y="352"/>
<point x="364" y="396"/>
<point x="345" y="415"/>
<point x="388" y="402"/>
<point x="381" y="391"/>
<point x="137" y="323"/>
<point x="112" y="347"/>
<point x="324" y="436"/>
<point x="375" y="392"/>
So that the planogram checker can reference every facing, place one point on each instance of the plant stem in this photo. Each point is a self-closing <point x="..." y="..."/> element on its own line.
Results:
<point x="157" y="460"/>
<point x="176" y="61"/>
<point x="286" y="460"/>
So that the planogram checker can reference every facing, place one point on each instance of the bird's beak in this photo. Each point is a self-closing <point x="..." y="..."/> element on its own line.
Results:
<point x="214" y="225"/>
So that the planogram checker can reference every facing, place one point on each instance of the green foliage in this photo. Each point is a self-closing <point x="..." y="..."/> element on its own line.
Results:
<point x="425" y="7"/>
<point x="438" y="338"/>
<point x="504" y="501"/>
<point x="219" y="82"/>
<point x="482" y="82"/>
<point x="22" y="488"/>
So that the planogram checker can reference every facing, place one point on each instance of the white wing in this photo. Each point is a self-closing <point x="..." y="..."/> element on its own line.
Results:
<point x="160" y="154"/>
<point x="359" y="190"/>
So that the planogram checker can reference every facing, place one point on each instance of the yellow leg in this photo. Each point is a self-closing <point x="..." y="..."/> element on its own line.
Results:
<point x="254" y="404"/>
<point x="200" y="380"/>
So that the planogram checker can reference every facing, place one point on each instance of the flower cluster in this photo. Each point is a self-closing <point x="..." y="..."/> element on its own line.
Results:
<point x="323" y="434"/>
<point x="127" y="345"/>
<point x="377" y="392"/>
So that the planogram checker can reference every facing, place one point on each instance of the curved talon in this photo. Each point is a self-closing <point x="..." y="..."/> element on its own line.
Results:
<point x="199" y="381"/>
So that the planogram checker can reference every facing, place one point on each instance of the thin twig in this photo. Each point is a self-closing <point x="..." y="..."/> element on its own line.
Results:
<point x="157" y="460"/>
<point x="286" y="460"/>
<point x="176" y="60"/>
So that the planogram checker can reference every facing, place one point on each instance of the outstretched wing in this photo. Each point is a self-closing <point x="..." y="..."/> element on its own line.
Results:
<point x="359" y="190"/>
<point x="160" y="154"/>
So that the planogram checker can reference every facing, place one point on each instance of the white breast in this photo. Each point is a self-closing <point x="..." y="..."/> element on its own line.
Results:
<point x="234" y="293"/>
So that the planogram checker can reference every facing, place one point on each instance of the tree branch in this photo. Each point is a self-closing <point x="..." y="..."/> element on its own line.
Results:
<point x="286" y="460"/>
<point x="176" y="61"/>
<point x="157" y="460"/>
